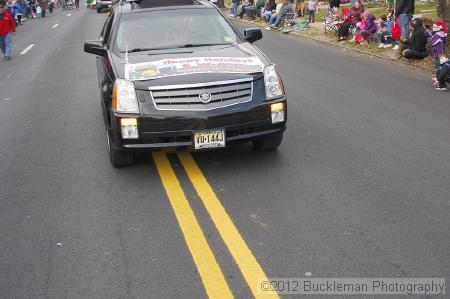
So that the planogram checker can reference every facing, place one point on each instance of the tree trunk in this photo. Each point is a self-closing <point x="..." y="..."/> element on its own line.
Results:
<point x="443" y="10"/>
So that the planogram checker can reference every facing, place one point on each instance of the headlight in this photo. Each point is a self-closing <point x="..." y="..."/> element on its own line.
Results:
<point x="274" y="85"/>
<point x="124" y="97"/>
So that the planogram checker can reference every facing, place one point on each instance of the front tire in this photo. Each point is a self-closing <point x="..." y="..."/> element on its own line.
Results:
<point x="269" y="143"/>
<point x="99" y="10"/>
<point x="118" y="157"/>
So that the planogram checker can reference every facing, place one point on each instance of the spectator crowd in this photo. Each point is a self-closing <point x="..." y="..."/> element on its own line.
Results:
<point x="14" y="12"/>
<point x="396" y="29"/>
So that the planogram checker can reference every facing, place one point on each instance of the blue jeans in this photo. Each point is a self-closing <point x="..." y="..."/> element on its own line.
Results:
<point x="403" y="21"/>
<point x="266" y="15"/>
<point x="437" y="64"/>
<point x="5" y="45"/>
<point x="234" y="8"/>
<point x="275" y="20"/>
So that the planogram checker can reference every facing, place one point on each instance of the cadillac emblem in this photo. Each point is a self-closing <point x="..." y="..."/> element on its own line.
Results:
<point x="205" y="98"/>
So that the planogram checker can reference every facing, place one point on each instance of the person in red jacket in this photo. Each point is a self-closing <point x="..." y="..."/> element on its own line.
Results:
<point x="7" y="26"/>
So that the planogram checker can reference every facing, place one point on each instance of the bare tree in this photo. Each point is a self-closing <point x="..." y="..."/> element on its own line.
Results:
<point x="443" y="10"/>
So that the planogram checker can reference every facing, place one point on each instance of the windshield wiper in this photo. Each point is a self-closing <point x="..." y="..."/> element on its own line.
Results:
<point x="138" y="50"/>
<point x="177" y="47"/>
<point x="203" y="45"/>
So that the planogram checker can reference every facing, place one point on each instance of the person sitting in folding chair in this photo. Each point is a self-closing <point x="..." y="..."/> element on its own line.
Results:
<point x="331" y="20"/>
<point x="354" y="16"/>
<point x="286" y="10"/>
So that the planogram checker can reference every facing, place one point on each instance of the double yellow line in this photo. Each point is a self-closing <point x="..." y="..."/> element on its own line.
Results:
<point x="210" y="272"/>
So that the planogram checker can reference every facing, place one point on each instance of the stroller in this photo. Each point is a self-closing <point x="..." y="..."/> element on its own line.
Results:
<point x="68" y="5"/>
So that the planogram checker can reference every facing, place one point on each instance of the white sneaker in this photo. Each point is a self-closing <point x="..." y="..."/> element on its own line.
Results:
<point x="381" y="45"/>
<point x="268" y="28"/>
<point x="388" y="45"/>
<point x="395" y="47"/>
<point x="441" y="88"/>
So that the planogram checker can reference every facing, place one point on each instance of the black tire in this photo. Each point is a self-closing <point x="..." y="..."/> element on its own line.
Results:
<point x="99" y="10"/>
<point x="117" y="157"/>
<point x="268" y="143"/>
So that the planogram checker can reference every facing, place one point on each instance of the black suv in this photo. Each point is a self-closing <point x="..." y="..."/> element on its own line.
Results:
<point x="177" y="73"/>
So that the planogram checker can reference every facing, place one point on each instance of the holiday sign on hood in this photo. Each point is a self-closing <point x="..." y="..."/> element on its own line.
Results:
<point x="193" y="65"/>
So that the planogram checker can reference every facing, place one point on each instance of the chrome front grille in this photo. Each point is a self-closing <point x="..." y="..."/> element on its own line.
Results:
<point x="187" y="97"/>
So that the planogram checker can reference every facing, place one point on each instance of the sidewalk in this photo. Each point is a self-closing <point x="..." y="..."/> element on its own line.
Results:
<point x="316" y="32"/>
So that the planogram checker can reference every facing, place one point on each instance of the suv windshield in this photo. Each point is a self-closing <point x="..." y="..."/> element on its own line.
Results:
<point x="173" y="29"/>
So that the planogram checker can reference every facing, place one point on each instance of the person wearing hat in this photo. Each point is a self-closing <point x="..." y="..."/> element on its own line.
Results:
<point x="437" y="39"/>
<point x="7" y="27"/>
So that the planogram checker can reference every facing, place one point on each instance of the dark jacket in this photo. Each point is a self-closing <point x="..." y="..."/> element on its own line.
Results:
<point x="404" y="6"/>
<point x="271" y="5"/>
<point x="418" y="41"/>
<point x="335" y="3"/>
<point x="259" y="4"/>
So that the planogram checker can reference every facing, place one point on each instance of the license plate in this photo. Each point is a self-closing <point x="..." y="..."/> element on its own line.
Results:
<point x="209" y="139"/>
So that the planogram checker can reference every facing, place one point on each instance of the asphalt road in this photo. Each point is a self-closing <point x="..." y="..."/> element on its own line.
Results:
<point x="359" y="188"/>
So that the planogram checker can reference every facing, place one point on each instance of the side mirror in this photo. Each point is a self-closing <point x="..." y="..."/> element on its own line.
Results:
<point x="95" y="47"/>
<point x="253" y="34"/>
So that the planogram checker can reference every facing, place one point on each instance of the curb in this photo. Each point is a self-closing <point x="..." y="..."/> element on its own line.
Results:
<point x="398" y="61"/>
<point x="401" y="61"/>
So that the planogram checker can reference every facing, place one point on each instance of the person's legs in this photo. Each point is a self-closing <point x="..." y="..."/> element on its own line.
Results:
<point x="272" y="19"/>
<point x="364" y="35"/>
<point x="241" y="11"/>
<point x="442" y="84"/>
<point x="2" y="45"/>
<point x="250" y="11"/>
<point x="437" y="64"/>
<point x="343" y="29"/>
<point x="278" y="21"/>
<point x="387" y="39"/>
<point x="383" y="39"/>
<point x="234" y="6"/>
<point x="445" y="81"/>
<point x="403" y="21"/>
<point x="7" y="46"/>
<point x="412" y="54"/>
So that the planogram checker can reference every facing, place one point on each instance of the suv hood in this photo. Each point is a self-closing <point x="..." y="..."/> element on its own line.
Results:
<point x="189" y="65"/>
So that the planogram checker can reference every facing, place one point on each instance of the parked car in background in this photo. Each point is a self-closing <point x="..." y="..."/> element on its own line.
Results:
<point x="102" y="5"/>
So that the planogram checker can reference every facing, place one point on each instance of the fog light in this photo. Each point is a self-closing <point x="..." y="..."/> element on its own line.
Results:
<point x="277" y="111"/>
<point x="129" y="128"/>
